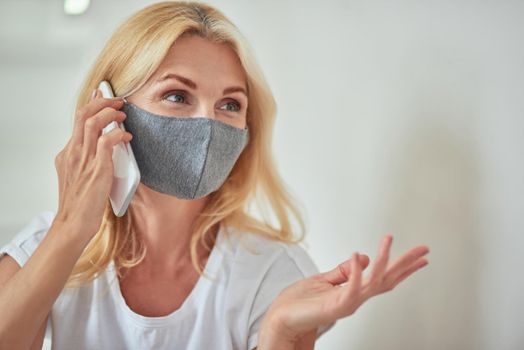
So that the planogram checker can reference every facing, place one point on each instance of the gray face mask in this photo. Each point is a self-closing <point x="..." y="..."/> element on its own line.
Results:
<point x="187" y="157"/>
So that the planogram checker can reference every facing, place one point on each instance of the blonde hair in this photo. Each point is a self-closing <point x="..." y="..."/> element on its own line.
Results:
<point x="128" y="60"/>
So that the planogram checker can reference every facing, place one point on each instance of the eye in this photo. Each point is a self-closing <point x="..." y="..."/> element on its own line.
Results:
<point x="235" y="106"/>
<point x="178" y="97"/>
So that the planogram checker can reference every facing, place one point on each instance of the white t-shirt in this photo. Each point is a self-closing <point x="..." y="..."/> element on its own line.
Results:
<point x="221" y="314"/>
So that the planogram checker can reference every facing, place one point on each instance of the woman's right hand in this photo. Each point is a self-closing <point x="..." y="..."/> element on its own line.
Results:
<point x="85" y="165"/>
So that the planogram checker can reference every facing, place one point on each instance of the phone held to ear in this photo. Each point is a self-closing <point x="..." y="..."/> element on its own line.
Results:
<point x="126" y="175"/>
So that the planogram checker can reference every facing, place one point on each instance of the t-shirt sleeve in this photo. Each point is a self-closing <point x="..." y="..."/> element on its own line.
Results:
<point x="26" y="240"/>
<point x="293" y="264"/>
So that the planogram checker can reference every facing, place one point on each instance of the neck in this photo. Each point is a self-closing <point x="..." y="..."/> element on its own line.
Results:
<point x="164" y="224"/>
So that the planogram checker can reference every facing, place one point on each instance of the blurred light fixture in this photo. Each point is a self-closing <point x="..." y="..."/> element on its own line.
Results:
<point x="75" y="7"/>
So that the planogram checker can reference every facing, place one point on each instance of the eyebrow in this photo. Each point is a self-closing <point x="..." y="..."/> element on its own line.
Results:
<point x="193" y="85"/>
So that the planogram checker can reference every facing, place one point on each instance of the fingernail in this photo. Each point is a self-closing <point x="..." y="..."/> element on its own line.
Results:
<point x="93" y="94"/>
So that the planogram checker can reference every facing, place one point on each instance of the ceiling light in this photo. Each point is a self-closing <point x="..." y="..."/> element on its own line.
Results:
<point x="75" y="7"/>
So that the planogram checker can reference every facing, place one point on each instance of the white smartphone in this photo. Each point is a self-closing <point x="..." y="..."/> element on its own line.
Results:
<point x="126" y="175"/>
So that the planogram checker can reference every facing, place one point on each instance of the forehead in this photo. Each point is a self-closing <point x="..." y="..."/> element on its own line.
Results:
<point x="203" y="61"/>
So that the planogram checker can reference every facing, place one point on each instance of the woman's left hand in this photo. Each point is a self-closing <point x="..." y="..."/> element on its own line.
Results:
<point x="324" y="298"/>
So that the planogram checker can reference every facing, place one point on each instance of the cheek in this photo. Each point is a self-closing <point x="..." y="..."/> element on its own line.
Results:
<point x="241" y="123"/>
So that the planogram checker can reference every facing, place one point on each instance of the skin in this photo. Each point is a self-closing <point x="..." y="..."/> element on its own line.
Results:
<point x="326" y="297"/>
<point x="84" y="169"/>
<point x="164" y="221"/>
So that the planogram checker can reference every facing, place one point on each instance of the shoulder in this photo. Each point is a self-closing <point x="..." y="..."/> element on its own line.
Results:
<point x="262" y="256"/>
<point x="26" y="240"/>
<point x="260" y="269"/>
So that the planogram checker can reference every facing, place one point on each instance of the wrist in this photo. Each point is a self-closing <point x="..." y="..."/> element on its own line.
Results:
<point x="69" y="231"/>
<point x="273" y="335"/>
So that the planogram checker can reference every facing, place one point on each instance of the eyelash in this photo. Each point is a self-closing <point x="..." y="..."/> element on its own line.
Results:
<point x="183" y="93"/>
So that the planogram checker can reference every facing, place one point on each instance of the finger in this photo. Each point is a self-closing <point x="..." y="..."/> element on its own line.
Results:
<point x="340" y="274"/>
<point x="356" y="276"/>
<point x="353" y="287"/>
<point x="90" y="109"/>
<point x="403" y="262"/>
<point x="93" y="95"/>
<point x="414" y="267"/>
<point x="94" y="125"/>
<point x="104" y="149"/>
<point x="382" y="260"/>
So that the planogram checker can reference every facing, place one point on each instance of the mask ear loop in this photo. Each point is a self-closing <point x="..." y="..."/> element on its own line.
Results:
<point x="125" y="100"/>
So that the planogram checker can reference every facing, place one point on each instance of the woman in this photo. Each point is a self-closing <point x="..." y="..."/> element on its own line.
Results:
<point x="188" y="266"/>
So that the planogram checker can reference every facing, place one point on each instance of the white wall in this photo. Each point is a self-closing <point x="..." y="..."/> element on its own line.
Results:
<point x="404" y="117"/>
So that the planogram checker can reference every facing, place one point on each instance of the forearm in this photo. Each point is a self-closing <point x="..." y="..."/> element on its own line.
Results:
<point x="307" y="341"/>
<point x="268" y="341"/>
<point x="274" y="336"/>
<point x="27" y="298"/>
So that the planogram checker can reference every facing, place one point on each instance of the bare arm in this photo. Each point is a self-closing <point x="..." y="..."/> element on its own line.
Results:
<point x="85" y="175"/>
<point x="306" y="342"/>
<point x="332" y="295"/>
<point x="27" y="295"/>
<point x="8" y="268"/>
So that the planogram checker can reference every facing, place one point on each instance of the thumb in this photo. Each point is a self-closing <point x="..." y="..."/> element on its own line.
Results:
<point x="340" y="274"/>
